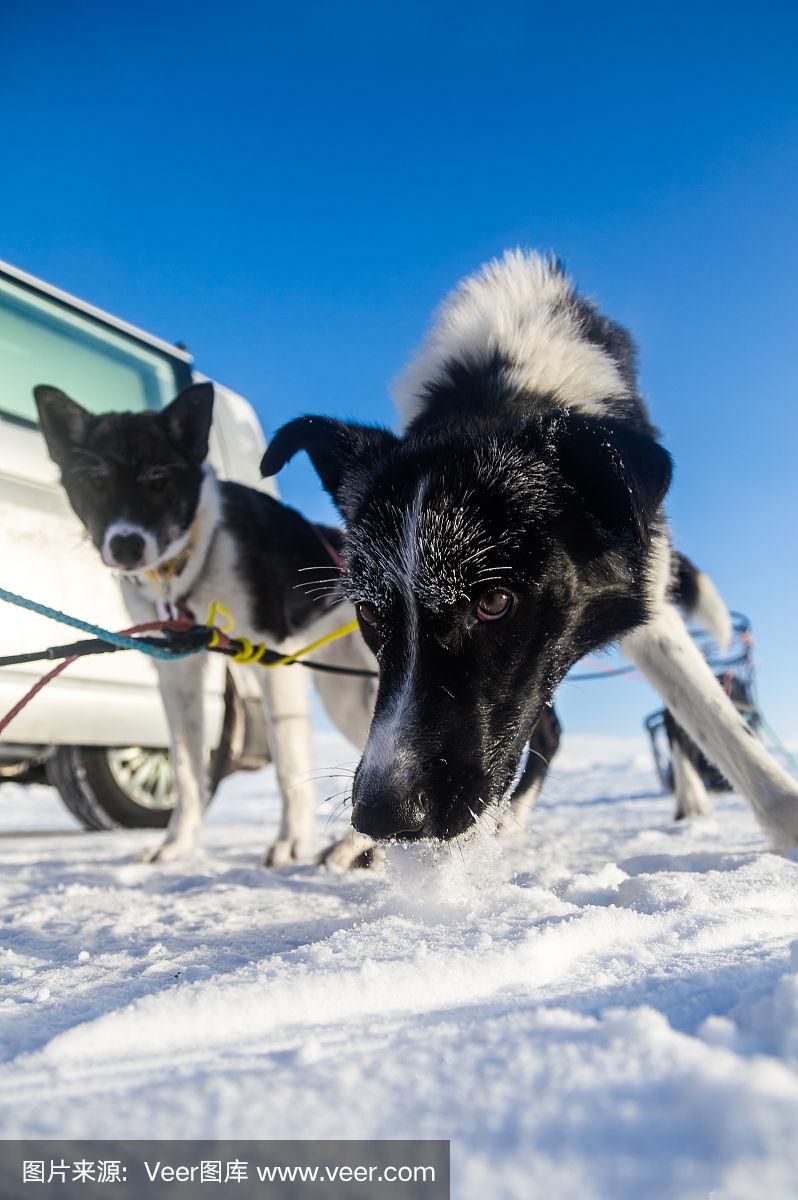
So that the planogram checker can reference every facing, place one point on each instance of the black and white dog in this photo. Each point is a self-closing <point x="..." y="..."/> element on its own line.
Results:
<point x="178" y="538"/>
<point x="515" y="527"/>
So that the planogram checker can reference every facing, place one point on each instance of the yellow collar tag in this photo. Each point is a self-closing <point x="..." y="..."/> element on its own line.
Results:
<point x="166" y="571"/>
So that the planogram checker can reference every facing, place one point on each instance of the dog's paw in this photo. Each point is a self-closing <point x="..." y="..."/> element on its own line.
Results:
<point x="352" y="852"/>
<point x="780" y="820"/>
<point x="287" y="851"/>
<point x="692" y="807"/>
<point x="505" y="828"/>
<point x="168" y="851"/>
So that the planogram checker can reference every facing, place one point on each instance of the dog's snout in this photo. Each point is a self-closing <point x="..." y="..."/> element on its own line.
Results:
<point x="387" y="816"/>
<point x="127" y="549"/>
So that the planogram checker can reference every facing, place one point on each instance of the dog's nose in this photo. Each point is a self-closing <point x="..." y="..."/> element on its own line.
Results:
<point x="387" y="818"/>
<point x="127" y="549"/>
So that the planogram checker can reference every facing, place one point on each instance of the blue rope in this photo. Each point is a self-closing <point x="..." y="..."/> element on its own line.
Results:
<point x="786" y="753"/>
<point x="589" y="676"/>
<point x="116" y="639"/>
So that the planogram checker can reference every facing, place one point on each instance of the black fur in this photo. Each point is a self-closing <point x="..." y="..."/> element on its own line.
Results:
<point x="338" y="451"/>
<point x="685" y="585"/>
<point x="275" y="545"/>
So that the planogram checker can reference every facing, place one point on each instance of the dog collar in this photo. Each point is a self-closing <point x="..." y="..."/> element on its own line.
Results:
<point x="167" y="572"/>
<point x="173" y="568"/>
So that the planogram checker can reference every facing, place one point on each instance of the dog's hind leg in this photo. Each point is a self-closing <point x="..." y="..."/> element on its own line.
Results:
<point x="664" y="652"/>
<point x="181" y="692"/>
<point x="286" y="698"/>
<point x="691" y="795"/>
<point x="543" y="745"/>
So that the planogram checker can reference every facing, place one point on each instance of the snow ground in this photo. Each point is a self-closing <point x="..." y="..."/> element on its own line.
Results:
<point x="604" y="1008"/>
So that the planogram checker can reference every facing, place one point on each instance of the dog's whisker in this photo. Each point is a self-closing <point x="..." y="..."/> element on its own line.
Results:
<point x="304" y="583"/>
<point x="537" y="754"/>
<point x="334" y="796"/>
<point x="479" y="819"/>
<point x="318" y="776"/>
<point x="347" y="797"/>
<point x="347" y="768"/>
<point x="489" y="577"/>
<point x="311" y="777"/>
<point x="345" y="791"/>
<point x="336" y="813"/>
<point x="501" y="815"/>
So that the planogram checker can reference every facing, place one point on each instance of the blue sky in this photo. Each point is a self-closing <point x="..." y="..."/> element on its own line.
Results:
<point x="291" y="189"/>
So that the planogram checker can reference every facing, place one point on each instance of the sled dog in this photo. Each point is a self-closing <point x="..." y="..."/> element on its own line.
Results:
<point x="180" y="539"/>
<point x="515" y="526"/>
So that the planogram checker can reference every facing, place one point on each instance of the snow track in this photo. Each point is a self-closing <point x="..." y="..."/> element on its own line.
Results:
<point x="604" y="1008"/>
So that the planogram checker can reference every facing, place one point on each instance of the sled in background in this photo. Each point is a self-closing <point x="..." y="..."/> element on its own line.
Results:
<point x="734" y="670"/>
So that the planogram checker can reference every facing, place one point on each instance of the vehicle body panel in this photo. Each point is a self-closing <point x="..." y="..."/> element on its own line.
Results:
<point x="45" y="555"/>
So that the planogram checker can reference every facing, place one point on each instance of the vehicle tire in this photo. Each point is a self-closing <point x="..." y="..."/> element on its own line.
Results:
<point x="130" y="787"/>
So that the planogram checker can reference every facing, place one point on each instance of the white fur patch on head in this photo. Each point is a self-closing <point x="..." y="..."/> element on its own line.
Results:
<point x="383" y="751"/>
<point x="201" y="530"/>
<point x="524" y="308"/>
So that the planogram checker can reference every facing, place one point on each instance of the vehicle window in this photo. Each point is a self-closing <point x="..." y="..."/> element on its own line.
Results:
<point x="41" y="342"/>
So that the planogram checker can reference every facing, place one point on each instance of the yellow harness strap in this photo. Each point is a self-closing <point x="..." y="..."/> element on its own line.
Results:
<point x="322" y="641"/>
<point x="250" y="653"/>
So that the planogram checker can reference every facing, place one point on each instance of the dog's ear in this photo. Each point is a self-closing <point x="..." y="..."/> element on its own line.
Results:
<point x="615" y="474"/>
<point x="335" y="448"/>
<point x="188" y="420"/>
<point x="62" y="421"/>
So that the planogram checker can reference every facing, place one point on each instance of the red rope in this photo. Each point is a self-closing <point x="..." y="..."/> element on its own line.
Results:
<point x="601" y="667"/>
<point x="333" y="553"/>
<point x="176" y="625"/>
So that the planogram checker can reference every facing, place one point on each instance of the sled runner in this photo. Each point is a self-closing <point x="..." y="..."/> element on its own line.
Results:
<point x="735" y="672"/>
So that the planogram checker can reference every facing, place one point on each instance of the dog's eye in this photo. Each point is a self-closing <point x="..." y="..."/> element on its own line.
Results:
<point x="368" y="615"/>
<point x="97" y="477"/>
<point x="492" y="606"/>
<point x="155" y="480"/>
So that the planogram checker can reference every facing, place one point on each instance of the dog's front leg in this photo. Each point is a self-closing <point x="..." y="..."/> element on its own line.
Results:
<point x="181" y="692"/>
<point x="349" y="704"/>
<point x="352" y="850"/>
<point x="286" y="698"/>
<point x="665" y="653"/>
<point x="543" y="745"/>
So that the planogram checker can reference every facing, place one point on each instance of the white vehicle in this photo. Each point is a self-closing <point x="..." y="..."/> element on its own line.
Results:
<point x="98" y="731"/>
